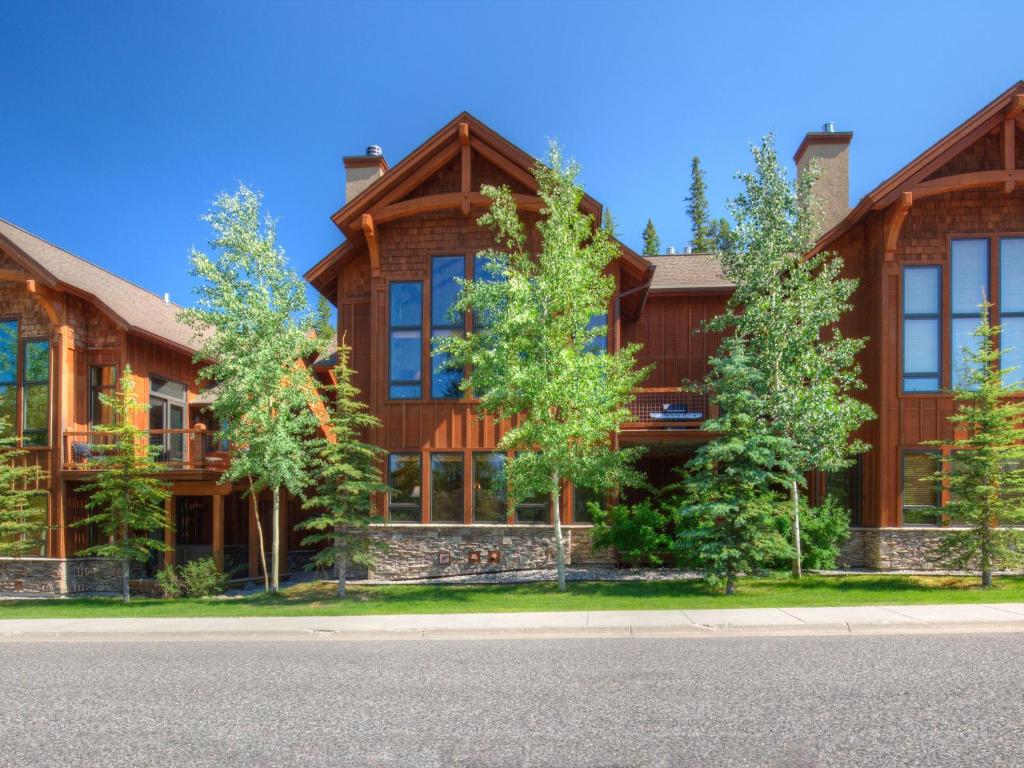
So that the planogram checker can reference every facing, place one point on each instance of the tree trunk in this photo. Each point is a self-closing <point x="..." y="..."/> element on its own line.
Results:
<point x="275" y="552"/>
<point x="125" y="591"/>
<point x="986" y="552"/>
<point x="794" y="492"/>
<point x="259" y="532"/>
<point x="559" y="542"/>
<point x="340" y="560"/>
<point x="730" y="584"/>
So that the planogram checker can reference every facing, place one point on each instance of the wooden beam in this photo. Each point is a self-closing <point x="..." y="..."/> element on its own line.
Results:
<point x="894" y="219"/>
<point x="1009" y="151"/>
<point x="964" y="181"/>
<point x="448" y="201"/>
<point x="218" y="531"/>
<point x="370" y="231"/>
<point x="169" y="537"/>
<point x="14" y="275"/>
<point x="517" y="173"/>
<point x="1016" y="107"/>
<point x="466" y="167"/>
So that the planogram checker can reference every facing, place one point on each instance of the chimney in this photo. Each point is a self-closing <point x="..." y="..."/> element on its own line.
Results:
<point x="362" y="170"/>
<point x="830" y="149"/>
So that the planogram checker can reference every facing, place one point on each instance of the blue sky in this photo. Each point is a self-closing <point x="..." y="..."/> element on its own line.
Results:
<point x="119" y="122"/>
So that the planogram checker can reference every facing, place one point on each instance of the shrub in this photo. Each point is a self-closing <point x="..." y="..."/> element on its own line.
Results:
<point x="196" y="578"/>
<point x="639" y="533"/>
<point x="823" y="530"/>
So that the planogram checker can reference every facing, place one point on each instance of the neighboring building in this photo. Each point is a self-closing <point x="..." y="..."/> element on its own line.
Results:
<point x="68" y="331"/>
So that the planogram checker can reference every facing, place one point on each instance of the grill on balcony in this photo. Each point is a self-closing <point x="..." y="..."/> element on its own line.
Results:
<point x="173" y="448"/>
<point x="668" y="408"/>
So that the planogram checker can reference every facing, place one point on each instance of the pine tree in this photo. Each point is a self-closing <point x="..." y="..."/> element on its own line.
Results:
<point x="345" y="476"/>
<point x="126" y="495"/>
<point x="652" y="244"/>
<point x="534" y="361"/>
<point x="608" y="223"/>
<point x="726" y="506"/>
<point x="721" y="236"/>
<point x="22" y="521"/>
<point x="702" y="240"/>
<point x="787" y="306"/>
<point x="984" y="471"/>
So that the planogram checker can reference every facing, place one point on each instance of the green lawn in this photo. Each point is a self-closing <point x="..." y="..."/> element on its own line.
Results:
<point x="318" y="600"/>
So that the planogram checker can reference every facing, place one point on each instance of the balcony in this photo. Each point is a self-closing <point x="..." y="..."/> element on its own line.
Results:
<point x="186" y="449"/>
<point x="669" y="409"/>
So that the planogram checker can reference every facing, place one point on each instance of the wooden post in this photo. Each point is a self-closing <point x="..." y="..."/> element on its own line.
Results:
<point x="169" y="537"/>
<point x="282" y="518"/>
<point x="218" y="530"/>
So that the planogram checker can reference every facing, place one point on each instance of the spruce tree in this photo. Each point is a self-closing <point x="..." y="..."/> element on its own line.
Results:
<point x="702" y="239"/>
<point x="22" y="521"/>
<point x="652" y="244"/>
<point x="984" y="468"/>
<point x="345" y="475"/>
<point x="721" y="235"/>
<point x="534" y="361"/>
<point x="726" y="506"/>
<point x="608" y="223"/>
<point x="126" y="495"/>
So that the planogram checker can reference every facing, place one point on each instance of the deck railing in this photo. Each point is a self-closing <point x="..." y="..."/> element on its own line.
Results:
<point x="173" y="448"/>
<point x="669" y="408"/>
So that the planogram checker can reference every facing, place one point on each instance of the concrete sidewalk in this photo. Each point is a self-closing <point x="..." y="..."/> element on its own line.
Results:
<point x="995" y="617"/>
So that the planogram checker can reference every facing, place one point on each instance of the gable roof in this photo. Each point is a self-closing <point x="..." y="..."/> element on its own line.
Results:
<point x="462" y="130"/>
<point x="688" y="272"/>
<point x="1007" y="105"/>
<point x="132" y="307"/>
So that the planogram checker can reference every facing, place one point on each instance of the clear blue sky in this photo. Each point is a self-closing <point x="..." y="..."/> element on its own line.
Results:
<point x="119" y="122"/>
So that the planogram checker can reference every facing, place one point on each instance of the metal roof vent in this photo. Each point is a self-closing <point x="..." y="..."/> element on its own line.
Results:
<point x="828" y="128"/>
<point x="167" y="298"/>
<point x="671" y="250"/>
<point x="374" y="150"/>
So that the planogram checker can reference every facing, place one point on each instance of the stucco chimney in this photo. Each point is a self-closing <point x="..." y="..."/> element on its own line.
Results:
<point x="831" y="150"/>
<point x="362" y="170"/>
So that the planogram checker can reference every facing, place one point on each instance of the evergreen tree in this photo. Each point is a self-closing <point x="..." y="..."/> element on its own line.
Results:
<point x="608" y="223"/>
<point x="345" y="476"/>
<point x="726" y="507"/>
<point x="534" y="360"/>
<point x="22" y="519"/>
<point x="721" y="236"/>
<point x="126" y="495"/>
<point x="984" y="472"/>
<point x="652" y="243"/>
<point x="787" y="306"/>
<point x="702" y="239"/>
<point x="258" y="331"/>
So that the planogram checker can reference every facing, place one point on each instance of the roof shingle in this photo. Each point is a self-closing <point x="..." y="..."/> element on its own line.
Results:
<point x="687" y="271"/>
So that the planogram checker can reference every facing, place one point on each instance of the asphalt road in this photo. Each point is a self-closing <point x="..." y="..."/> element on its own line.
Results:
<point x="879" y="701"/>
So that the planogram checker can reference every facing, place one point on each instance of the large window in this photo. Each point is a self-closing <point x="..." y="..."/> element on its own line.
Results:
<point x="843" y="486"/>
<point x="922" y="492"/>
<point x="102" y="381"/>
<point x="534" y="510"/>
<point x="405" y="344"/>
<point x="485" y="270"/>
<point x="922" y="329"/>
<point x="35" y="387"/>
<point x="968" y="288"/>
<point x="489" y="493"/>
<point x="9" y="374"/>
<point x="582" y="498"/>
<point x="167" y="418"/>
<point x="1011" y="307"/>
<point x="445" y="271"/>
<point x="405" y="475"/>
<point x="447" y="488"/>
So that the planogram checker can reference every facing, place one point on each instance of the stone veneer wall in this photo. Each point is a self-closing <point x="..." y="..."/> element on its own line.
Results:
<point x="893" y="549"/>
<point x="53" y="576"/>
<point x="414" y="551"/>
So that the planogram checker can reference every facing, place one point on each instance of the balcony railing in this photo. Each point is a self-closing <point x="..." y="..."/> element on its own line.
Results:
<point x="669" y="408"/>
<point x="173" y="448"/>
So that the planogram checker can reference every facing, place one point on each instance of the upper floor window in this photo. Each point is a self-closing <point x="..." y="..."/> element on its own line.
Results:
<point x="9" y="373"/>
<point x="922" y="328"/>
<point x="102" y="381"/>
<point x="35" y="392"/>
<point x="167" y="418"/>
<point x="968" y="288"/>
<point x="445" y="271"/>
<point x="1011" y="307"/>
<point x="405" y="342"/>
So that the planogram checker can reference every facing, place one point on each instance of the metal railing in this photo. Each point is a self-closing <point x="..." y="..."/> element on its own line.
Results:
<point x="173" y="448"/>
<point x="669" y="408"/>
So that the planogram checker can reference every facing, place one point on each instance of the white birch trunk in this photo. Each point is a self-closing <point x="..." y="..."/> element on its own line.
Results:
<point x="559" y="542"/>
<point x="275" y="552"/>
<point x="259" y="532"/>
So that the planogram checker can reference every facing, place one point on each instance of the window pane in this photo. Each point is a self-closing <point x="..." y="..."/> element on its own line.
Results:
<point x="484" y="271"/>
<point x="37" y="361"/>
<point x="406" y="304"/>
<point x="581" y="499"/>
<point x="920" y="490"/>
<point x="102" y="375"/>
<point x="1012" y="349"/>
<point x="445" y="377"/>
<point x="1011" y="275"/>
<point x="443" y="288"/>
<point x="921" y="346"/>
<point x="963" y="328"/>
<point x="170" y="390"/>
<point x="8" y="406"/>
<point x="446" y="488"/>
<point x="489" y="497"/>
<point x="8" y="351"/>
<point x="968" y="275"/>
<point x="406" y="360"/>
<point x="598" y="345"/>
<point x="921" y="384"/>
<point x="37" y="414"/>
<point x="404" y="475"/>
<point x="921" y="290"/>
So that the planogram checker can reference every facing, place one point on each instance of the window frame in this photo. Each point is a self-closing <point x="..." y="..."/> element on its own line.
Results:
<point x="107" y="389"/>
<point x="987" y="292"/>
<point x="997" y="298"/>
<point x="15" y="424"/>
<point x="474" y="456"/>
<point x="937" y="317"/>
<point x="939" y="491"/>
<point x="418" y="505"/>
<point x="455" y="458"/>
<point x="23" y="390"/>
<point x="392" y="328"/>
<point x="451" y="327"/>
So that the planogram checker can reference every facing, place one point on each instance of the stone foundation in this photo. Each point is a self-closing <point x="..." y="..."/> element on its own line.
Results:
<point x="42" y="576"/>
<point x="893" y="549"/>
<point x="427" y="551"/>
